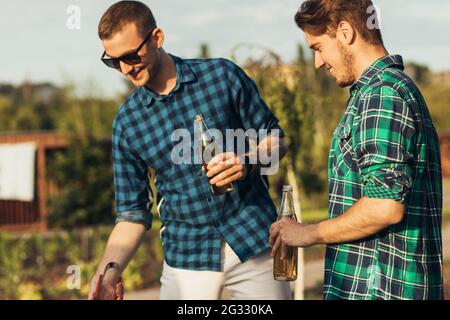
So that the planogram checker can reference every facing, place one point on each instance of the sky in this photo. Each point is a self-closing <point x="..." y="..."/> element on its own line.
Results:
<point x="37" y="44"/>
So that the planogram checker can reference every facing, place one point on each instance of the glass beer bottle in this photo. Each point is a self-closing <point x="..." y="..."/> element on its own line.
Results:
<point x="207" y="141"/>
<point x="286" y="269"/>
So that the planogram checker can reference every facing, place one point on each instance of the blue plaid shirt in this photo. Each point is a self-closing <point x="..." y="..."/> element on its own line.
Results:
<point x="194" y="220"/>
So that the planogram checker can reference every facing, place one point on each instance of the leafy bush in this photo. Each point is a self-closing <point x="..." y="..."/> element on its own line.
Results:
<point x="35" y="266"/>
<point x="84" y="173"/>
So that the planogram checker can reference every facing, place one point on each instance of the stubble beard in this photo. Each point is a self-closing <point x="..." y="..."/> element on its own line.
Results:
<point x="149" y="72"/>
<point x="347" y="60"/>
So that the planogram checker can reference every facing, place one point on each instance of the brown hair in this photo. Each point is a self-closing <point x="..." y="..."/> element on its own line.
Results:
<point x="122" y="13"/>
<point x="318" y="17"/>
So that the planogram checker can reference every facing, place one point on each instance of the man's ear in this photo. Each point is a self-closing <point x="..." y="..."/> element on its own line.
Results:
<point x="346" y="33"/>
<point x="158" y="38"/>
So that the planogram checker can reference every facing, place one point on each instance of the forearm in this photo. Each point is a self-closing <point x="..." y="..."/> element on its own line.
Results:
<point x="122" y="244"/>
<point x="365" y="218"/>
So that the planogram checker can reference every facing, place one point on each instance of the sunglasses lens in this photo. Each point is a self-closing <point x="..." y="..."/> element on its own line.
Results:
<point x="116" y="63"/>
<point x="109" y="62"/>
<point x="132" y="59"/>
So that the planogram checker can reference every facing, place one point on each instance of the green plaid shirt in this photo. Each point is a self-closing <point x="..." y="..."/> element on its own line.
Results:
<point x="386" y="146"/>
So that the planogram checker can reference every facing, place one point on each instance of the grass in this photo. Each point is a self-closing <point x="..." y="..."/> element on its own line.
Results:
<point x="312" y="216"/>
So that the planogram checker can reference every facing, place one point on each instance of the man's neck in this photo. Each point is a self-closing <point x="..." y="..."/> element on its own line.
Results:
<point x="167" y="76"/>
<point x="366" y="58"/>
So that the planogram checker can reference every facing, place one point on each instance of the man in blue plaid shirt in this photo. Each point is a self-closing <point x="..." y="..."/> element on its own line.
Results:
<point x="209" y="241"/>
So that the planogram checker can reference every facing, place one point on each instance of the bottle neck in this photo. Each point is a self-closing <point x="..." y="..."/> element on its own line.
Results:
<point x="287" y="204"/>
<point x="202" y="129"/>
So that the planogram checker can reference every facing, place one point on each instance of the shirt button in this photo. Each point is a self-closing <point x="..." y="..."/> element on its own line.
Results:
<point x="209" y="199"/>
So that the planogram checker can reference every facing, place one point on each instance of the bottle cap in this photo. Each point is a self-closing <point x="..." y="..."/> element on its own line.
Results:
<point x="287" y="188"/>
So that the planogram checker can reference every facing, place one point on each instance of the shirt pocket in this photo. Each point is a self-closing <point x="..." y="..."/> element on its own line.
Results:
<point x="344" y="151"/>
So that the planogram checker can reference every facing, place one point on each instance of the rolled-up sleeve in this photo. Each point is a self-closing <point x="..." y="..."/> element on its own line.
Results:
<point x="132" y="192"/>
<point x="384" y="144"/>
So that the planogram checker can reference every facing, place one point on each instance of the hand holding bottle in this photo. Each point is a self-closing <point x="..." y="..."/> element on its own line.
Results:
<point x="208" y="145"/>
<point x="291" y="233"/>
<point x="225" y="168"/>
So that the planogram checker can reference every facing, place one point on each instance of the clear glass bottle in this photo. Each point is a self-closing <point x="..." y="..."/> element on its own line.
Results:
<point x="286" y="269"/>
<point x="207" y="142"/>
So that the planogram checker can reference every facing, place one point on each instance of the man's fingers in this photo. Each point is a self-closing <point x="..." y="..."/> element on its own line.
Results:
<point x="119" y="291"/>
<point x="276" y="245"/>
<point x="231" y="179"/>
<point x="107" y="293"/>
<point x="216" y="160"/>
<point x="225" y="174"/>
<point x="93" y="288"/>
<point x="216" y="169"/>
<point x="233" y="159"/>
<point x="279" y="245"/>
<point x="227" y="158"/>
<point x="273" y="233"/>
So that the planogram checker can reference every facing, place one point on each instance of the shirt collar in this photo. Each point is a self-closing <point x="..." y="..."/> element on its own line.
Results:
<point x="184" y="75"/>
<point x="184" y="71"/>
<point x="390" y="61"/>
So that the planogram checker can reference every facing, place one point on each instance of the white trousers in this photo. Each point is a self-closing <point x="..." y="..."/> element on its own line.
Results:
<point x="251" y="280"/>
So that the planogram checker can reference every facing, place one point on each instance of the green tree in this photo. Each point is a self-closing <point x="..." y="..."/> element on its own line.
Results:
<point x="419" y="72"/>
<point x="308" y="104"/>
<point x="84" y="174"/>
<point x="437" y="97"/>
<point x="83" y="171"/>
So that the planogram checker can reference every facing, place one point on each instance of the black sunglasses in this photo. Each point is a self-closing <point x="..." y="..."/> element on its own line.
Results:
<point x="131" y="58"/>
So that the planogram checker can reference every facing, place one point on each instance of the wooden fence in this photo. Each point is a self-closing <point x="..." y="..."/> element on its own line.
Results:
<point x="25" y="216"/>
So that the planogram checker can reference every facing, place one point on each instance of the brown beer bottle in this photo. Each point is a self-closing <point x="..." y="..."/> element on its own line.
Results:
<point x="208" y="142"/>
<point x="286" y="269"/>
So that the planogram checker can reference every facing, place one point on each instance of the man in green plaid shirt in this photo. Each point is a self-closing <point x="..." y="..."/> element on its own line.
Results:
<point x="383" y="234"/>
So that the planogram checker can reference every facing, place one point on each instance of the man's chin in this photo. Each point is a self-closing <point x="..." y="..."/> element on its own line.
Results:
<point x="139" y="83"/>
<point x="343" y="84"/>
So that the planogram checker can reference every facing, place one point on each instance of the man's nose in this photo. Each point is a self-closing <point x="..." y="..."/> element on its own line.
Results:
<point x="125" y="68"/>
<point x="318" y="62"/>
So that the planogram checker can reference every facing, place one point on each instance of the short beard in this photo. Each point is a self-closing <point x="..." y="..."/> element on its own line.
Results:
<point x="347" y="60"/>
